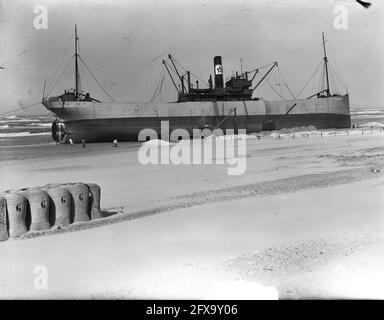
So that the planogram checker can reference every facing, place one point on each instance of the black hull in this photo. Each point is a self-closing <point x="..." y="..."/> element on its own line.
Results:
<point x="127" y="129"/>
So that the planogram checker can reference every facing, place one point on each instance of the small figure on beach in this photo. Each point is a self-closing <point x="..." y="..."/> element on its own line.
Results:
<point x="71" y="141"/>
<point x="115" y="143"/>
<point x="83" y="143"/>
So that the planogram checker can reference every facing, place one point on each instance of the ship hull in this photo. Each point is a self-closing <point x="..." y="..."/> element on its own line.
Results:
<point x="128" y="129"/>
<point x="99" y="122"/>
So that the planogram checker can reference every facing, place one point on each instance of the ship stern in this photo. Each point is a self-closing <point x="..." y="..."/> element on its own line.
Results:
<point x="58" y="130"/>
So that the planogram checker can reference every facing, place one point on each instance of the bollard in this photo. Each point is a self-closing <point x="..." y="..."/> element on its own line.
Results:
<point x="60" y="206"/>
<point x="39" y="206"/>
<point x="3" y="219"/>
<point x="95" y="193"/>
<point x="80" y="200"/>
<point x="17" y="207"/>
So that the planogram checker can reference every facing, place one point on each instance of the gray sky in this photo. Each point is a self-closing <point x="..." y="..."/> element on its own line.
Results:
<point x="123" y="43"/>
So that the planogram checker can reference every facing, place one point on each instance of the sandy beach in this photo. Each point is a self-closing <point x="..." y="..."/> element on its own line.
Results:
<point x="305" y="220"/>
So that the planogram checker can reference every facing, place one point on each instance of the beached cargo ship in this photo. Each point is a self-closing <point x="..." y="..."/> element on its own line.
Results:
<point x="228" y="105"/>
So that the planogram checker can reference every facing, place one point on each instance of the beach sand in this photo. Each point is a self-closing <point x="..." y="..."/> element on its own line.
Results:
<point x="305" y="220"/>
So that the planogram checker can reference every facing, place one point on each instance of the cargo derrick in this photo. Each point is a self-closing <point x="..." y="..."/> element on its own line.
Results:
<point x="238" y="88"/>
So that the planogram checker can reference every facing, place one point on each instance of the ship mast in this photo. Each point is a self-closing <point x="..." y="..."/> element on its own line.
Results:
<point x="76" y="65"/>
<point x="326" y="66"/>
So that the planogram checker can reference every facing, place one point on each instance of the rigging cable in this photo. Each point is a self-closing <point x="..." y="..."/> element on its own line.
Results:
<point x="333" y="81"/>
<point x="162" y="83"/>
<point x="62" y="59"/>
<point x="285" y="82"/>
<point x="5" y="63"/>
<point x="166" y="91"/>
<point x="159" y="91"/>
<point x="196" y="76"/>
<point x="331" y="64"/>
<point x="93" y="76"/>
<point x="80" y="85"/>
<point x="156" y="93"/>
<point x="310" y="78"/>
<point x="57" y="81"/>
<point x="293" y="96"/>
<point x="322" y="80"/>
<point x="20" y="108"/>
<point x="334" y="70"/>
<point x="274" y="90"/>
<point x="319" y="57"/>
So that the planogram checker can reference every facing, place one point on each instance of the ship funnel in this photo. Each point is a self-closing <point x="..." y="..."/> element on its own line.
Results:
<point x="218" y="70"/>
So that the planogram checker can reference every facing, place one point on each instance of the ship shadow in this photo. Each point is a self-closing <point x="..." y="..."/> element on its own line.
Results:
<point x="110" y="212"/>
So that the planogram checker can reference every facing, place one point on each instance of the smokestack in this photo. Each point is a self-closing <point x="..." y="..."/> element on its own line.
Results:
<point x="218" y="70"/>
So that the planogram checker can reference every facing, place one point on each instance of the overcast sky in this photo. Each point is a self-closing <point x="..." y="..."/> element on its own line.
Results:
<point x="123" y="43"/>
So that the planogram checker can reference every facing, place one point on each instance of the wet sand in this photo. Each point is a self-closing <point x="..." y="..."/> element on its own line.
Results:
<point x="306" y="215"/>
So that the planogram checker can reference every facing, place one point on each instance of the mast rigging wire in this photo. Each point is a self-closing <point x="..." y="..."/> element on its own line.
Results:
<point x="86" y="85"/>
<point x="196" y="76"/>
<point x="157" y="89"/>
<point x="94" y="77"/>
<point x="334" y="71"/>
<point x="285" y="82"/>
<point x="310" y="79"/>
<point x="275" y="90"/>
<point x="5" y="63"/>
<point x="57" y="81"/>
<point x="61" y="61"/>
<point x="20" y="108"/>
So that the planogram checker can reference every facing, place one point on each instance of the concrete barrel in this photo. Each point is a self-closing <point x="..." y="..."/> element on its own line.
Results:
<point x="80" y="201"/>
<point x="60" y="206"/>
<point x="39" y="206"/>
<point x="52" y="185"/>
<point x="24" y="192"/>
<point x="95" y="193"/>
<point x="17" y="205"/>
<point x="3" y="219"/>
